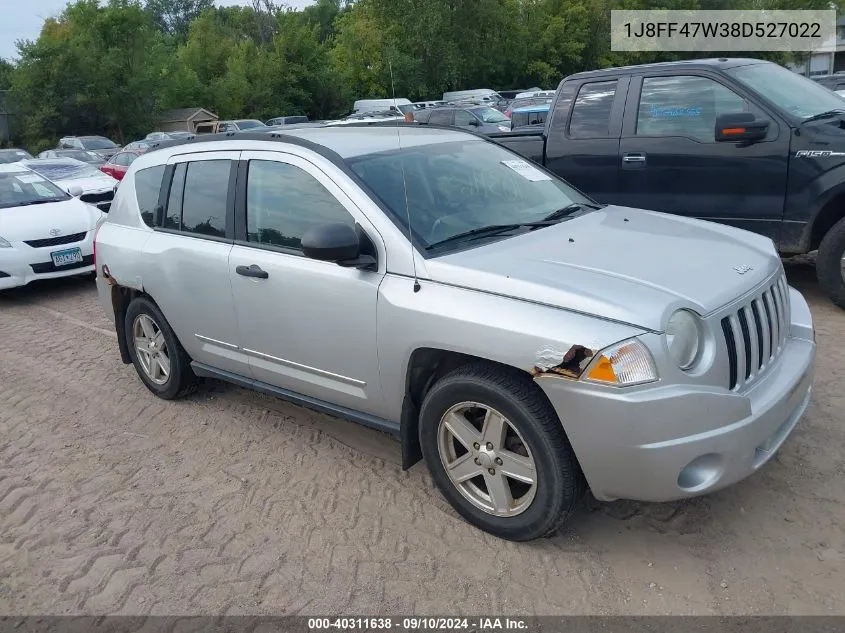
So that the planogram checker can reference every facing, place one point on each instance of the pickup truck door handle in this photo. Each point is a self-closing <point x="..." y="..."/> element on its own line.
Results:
<point x="634" y="158"/>
<point x="253" y="270"/>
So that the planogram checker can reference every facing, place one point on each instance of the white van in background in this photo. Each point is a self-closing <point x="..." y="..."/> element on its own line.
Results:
<point x="480" y="95"/>
<point x="380" y="105"/>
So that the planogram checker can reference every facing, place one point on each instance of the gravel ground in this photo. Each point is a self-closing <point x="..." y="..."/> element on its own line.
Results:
<point x="230" y="502"/>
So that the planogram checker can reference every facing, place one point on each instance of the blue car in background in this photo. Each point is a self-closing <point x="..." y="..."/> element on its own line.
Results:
<point x="530" y="117"/>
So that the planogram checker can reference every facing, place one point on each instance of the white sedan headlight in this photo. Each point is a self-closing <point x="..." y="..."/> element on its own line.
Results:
<point x="4" y="243"/>
<point x="683" y="338"/>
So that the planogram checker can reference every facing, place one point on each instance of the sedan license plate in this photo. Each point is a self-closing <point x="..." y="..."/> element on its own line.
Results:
<point x="66" y="257"/>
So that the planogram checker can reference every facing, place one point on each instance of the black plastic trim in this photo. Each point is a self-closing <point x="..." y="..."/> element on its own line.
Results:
<point x="365" y="419"/>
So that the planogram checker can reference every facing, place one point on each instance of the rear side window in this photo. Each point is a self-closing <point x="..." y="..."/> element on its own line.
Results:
<point x="199" y="198"/>
<point x="147" y="187"/>
<point x="591" y="113"/>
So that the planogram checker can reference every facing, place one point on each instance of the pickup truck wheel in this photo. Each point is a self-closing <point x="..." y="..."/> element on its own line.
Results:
<point x="830" y="263"/>
<point x="498" y="453"/>
<point x="159" y="358"/>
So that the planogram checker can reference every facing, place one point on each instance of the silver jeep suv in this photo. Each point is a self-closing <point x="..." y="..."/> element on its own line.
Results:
<point x="524" y="340"/>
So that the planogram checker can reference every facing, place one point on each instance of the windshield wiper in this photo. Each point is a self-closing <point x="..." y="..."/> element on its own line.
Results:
<point x="483" y="231"/>
<point x="41" y="201"/>
<point x="824" y="115"/>
<point x="567" y="210"/>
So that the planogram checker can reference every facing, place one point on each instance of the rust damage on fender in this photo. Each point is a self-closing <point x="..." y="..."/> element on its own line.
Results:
<point x="569" y="365"/>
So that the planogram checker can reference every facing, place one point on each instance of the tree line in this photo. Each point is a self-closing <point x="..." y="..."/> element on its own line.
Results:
<point x="110" y="66"/>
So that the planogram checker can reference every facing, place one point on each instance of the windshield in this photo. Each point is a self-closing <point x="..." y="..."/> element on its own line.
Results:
<point x="248" y="125"/>
<point x="65" y="170"/>
<point x="20" y="188"/>
<point x="13" y="155"/>
<point x="489" y="115"/>
<point x="459" y="186"/>
<point x="788" y="90"/>
<point x="97" y="142"/>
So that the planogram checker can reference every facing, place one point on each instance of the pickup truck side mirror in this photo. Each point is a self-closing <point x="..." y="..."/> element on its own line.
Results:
<point x="336" y="242"/>
<point x="740" y="126"/>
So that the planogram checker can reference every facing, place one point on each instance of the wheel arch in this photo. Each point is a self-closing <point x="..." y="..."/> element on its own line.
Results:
<point x="831" y="212"/>
<point x="121" y="297"/>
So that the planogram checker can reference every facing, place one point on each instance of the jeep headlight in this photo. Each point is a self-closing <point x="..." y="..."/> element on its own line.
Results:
<point x="624" y="364"/>
<point x="683" y="338"/>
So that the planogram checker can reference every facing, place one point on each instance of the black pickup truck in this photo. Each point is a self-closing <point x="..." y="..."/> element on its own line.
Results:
<point x="739" y="141"/>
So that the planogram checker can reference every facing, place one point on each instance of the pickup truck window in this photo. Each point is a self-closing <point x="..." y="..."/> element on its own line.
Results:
<point x="459" y="186"/>
<point x="284" y="201"/>
<point x="684" y="106"/>
<point x="788" y="90"/>
<point x="591" y="113"/>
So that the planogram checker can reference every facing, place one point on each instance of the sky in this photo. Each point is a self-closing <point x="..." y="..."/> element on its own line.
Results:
<point x="23" y="19"/>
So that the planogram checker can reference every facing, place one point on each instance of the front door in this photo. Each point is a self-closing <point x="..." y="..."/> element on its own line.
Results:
<point x="671" y="162"/>
<point x="308" y="326"/>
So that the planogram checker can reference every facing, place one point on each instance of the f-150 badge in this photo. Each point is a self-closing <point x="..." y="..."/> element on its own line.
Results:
<point x="817" y="153"/>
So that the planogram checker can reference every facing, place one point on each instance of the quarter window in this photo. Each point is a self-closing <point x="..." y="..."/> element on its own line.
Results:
<point x="147" y="187"/>
<point x="284" y="201"/>
<point x="591" y="113"/>
<point x="685" y="106"/>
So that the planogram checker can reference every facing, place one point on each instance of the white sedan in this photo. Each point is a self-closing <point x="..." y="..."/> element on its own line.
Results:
<point x="77" y="178"/>
<point x="44" y="231"/>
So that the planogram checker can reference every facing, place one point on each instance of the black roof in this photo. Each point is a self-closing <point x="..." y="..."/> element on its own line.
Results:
<point x="693" y="64"/>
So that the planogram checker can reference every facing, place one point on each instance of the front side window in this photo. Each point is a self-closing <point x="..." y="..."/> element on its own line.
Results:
<point x="591" y="112"/>
<point x="453" y="187"/>
<point x="685" y="106"/>
<point x="463" y="118"/>
<point x="284" y="201"/>
<point x="199" y="198"/>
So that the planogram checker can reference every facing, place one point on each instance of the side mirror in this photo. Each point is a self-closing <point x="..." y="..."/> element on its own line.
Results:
<point x="338" y="243"/>
<point x="474" y="122"/>
<point x="75" y="191"/>
<point x="740" y="126"/>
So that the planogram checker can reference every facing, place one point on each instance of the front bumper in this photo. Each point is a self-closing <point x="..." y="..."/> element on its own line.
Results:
<point x="23" y="264"/>
<point x="665" y="442"/>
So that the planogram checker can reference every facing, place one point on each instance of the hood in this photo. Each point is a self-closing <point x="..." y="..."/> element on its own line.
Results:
<point x="36" y="221"/>
<point x="628" y="265"/>
<point x="89" y="184"/>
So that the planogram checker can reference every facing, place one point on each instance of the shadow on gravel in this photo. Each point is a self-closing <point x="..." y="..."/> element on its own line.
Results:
<point x="55" y="288"/>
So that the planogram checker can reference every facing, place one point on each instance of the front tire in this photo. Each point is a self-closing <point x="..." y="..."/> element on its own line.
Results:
<point x="161" y="362"/>
<point x="830" y="263"/>
<point x="498" y="452"/>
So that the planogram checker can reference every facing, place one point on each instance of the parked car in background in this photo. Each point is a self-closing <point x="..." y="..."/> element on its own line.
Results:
<point x="363" y="117"/>
<point x="529" y="118"/>
<point x="168" y="136"/>
<point x="524" y="340"/>
<point x="529" y="94"/>
<point x="511" y="94"/>
<point x="484" y="119"/>
<point x="286" y="120"/>
<point x="832" y="82"/>
<point x="526" y="102"/>
<point x="240" y="125"/>
<point x="83" y="180"/>
<point x="44" y="231"/>
<point x="480" y="95"/>
<point x="119" y="163"/>
<point x="92" y="158"/>
<point x="143" y="145"/>
<point x="99" y="144"/>
<point x="743" y="142"/>
<point x="13" y="155"/>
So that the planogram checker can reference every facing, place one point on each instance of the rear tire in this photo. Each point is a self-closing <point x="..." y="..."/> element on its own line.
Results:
<point x="486" y="433"/>
<point x="830" y="268"/>
<point x="160" y="360"/>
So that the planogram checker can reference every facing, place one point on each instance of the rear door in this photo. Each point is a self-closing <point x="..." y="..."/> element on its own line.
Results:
<point x="671" y="162"/>
<point x="583" y="141"/>
<point x="187" y="258"/>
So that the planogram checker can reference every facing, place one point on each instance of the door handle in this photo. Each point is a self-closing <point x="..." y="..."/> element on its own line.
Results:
<point x="253" y="270"/>
<point x="633" y="158"/>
